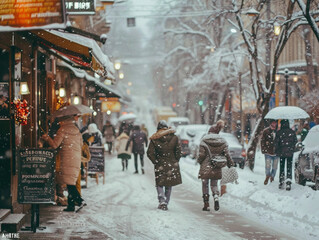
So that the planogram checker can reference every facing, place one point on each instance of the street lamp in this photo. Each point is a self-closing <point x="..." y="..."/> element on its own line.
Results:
<point x="117" y="66"/>
<point x="286" y="74"/>
<point x="277" y="28"/>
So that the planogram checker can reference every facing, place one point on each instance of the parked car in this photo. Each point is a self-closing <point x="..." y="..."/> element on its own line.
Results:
<point x="307" y="163"/>
<point x="236" y="150"/>
<point x="188" y="134"/>
<point x="176" y="121"/>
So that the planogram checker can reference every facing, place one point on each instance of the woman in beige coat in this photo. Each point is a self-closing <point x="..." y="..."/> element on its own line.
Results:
<point x="68" y="140"/>
<point x="120" y="146"/>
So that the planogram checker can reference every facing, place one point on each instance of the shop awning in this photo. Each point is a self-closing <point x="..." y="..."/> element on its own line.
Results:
<point x="80" y="73"/>
<point x="81" y="50"/>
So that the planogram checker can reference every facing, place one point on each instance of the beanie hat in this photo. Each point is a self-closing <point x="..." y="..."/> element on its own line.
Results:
<point x="217" y="127"/>
<point x="162" y="124"/>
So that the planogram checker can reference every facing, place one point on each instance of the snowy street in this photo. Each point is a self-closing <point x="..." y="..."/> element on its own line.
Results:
<point x="126" y="208"/>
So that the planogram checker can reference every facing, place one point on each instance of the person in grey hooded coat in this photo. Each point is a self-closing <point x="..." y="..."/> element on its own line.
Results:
<point x="217" y="146"/>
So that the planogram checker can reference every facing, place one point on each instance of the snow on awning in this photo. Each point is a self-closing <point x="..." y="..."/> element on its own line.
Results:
<point x="77" y="45"/>
<point x="80" y="73"/>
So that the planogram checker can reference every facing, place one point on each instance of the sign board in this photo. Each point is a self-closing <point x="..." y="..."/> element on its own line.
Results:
<point x="36" y="176"/>
<point x="80" y="7"/>
<point x="96" y="164"/>
<point x="130" y="22"/>
<point x="111" y="104"/>
<point x="22" y="15"/>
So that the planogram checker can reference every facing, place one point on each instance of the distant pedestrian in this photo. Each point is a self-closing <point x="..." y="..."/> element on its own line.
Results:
<point x="304" y="131"/>
<point x="144" y="129"/>
<point x="268" y="149"/>
<point x="120" y="146"/>
<point x="215" y="145"/>
<point x="69" y="141"/>
<point x="109" y="135"/>
<point x="285" y="142"/>
<point x="238" y="130"/>
<point x="139" y="139"/>
<point x="164" y="151"/>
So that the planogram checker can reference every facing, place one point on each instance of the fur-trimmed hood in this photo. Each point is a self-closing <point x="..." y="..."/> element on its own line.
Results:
<point x="214" y="141"/>
<point x="162" y="132"/>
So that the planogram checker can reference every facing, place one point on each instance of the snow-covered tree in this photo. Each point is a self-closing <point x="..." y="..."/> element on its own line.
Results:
<point x="263" y="72"/>
<point x="202" y="52"/>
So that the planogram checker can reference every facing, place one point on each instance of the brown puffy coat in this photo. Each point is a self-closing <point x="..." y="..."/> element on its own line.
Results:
<point x="217" y="146"/>
<point x="164" y="151"/>
<point x="68" y="140"/>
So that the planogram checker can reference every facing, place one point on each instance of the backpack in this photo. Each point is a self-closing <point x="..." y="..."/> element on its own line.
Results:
<point x="217" y="161"/>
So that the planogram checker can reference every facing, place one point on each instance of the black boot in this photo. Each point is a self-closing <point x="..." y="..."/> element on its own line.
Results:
<point x="206" y="202"/>
<point x="216" y="203"/>
<point x="288" y="186"/>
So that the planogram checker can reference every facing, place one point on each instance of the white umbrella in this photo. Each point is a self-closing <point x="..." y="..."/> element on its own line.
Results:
<point x="287" y="112"/>
<point x="126" y="117"/>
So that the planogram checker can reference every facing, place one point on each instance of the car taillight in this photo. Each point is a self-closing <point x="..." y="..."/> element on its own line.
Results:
<point x="243" y="153"/>
<point x="184" y="141"/>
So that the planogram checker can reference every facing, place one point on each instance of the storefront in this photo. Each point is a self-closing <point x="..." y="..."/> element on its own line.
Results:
<point x="28" y="93"/>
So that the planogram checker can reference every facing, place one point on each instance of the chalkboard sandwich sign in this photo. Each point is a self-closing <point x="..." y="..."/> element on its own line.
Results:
<point x="36" y="176"/>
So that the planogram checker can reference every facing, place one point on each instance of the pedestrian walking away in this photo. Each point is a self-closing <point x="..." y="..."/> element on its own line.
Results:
<point x="164" y="152"/>
<point x="138" y="138"/>
<point x="285" y="142"/>
<point x="120" y="146"/>
<point x="212" y="146"/>
<point x="109" y="135"/>
<point x="69" y="141"/>
<point x="268" y="149"/>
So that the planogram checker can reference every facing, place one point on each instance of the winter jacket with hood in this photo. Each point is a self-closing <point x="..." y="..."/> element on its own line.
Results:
<point x="268" y="141"/>
<point x="120" y="146"/>
<point x="285" y="140"/>
<point x="164" y="151"/>
<point x="217" y="146"/>
<point x="68" y="140"/>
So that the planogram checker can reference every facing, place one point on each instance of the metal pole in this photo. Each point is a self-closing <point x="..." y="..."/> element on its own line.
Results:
<point x="286" y="76"/>
<point x="241" y="109"/>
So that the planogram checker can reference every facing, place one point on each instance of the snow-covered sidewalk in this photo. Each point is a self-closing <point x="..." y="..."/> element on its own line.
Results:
<point x="292" y="212"/>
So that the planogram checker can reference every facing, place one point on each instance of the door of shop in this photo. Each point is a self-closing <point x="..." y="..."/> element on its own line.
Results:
<point x="5" y="125"/>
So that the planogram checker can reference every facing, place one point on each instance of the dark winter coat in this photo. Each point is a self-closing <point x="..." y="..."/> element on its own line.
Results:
<point x="138" y="138"/>
<point x="217" y="146"/>
<point x="285" y="141"/>
<point x="109" y="133"/>
<point x="268" y="141"/>
<point x="164" y="151"/>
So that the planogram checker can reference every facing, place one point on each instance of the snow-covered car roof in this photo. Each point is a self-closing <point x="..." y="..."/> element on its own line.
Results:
<point x="311" y="142"/>
<point x="197" y="129"/>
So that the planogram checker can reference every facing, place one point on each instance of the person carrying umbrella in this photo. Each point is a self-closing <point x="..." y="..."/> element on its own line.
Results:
<point x="268" y="149"/>
<point x="69" y="141"/>
<point x="285" y="142"/>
